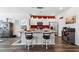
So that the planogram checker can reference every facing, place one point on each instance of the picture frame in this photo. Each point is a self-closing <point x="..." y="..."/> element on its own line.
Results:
<point x="70" y="20"/>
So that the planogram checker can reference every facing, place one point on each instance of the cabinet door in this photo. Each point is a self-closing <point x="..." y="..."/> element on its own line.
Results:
<point x="72" y="37"/>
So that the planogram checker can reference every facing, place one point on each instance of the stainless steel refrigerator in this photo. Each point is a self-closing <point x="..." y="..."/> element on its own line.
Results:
<point x="6" y="29"/>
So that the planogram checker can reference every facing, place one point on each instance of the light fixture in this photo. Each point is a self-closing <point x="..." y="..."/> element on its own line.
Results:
<point x="61" y="17"/>
<point x="39" y="7"/>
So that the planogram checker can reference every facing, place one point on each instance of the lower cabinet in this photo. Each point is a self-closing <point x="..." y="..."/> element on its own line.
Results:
<point x="68" y="35"/>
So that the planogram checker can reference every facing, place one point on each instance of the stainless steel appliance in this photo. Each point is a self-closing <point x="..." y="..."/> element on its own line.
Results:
<point x="6" y="29"/>
<point x="54" y="27"/>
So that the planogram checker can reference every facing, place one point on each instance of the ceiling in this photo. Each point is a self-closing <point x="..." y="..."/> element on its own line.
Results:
<point x="35" y="10"/>
<point x="44" y="10"/>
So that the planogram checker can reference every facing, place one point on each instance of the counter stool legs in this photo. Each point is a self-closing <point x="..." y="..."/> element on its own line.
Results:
<point x="46" y="37"/>
<point x="28" y="44"/>
<point x="31" y="43"/>
<point x="29" y="37"/>
<point x="46" y="43"/>
<point x="42" y="42"/>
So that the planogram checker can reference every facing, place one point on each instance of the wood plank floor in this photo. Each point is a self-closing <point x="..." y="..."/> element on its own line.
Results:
<point x="60" y="46"/>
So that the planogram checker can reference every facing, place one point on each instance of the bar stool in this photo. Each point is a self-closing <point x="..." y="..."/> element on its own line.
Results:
<point x="29" y="37"/>
<point x="46" y="36"/>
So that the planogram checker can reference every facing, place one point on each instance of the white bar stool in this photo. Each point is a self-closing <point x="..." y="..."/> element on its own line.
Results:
<point x="29" y="37"/>
<point x="46" y="36"/>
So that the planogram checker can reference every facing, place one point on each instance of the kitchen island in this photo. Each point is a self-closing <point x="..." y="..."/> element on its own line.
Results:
<point x="38" y="37"/>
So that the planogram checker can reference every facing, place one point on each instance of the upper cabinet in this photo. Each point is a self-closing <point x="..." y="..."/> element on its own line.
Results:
<point x="44" y="19"/>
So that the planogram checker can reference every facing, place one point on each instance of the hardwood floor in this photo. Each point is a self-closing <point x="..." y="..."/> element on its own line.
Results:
<point x="60" y="46"/>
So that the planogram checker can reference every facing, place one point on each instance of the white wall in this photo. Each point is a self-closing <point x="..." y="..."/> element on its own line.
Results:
<point x="71" y="12"/>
